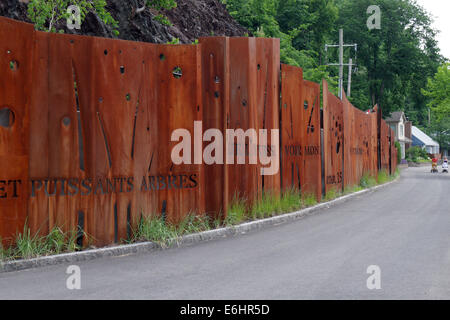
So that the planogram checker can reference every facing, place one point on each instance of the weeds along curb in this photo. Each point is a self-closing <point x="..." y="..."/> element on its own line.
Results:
<point x="187" y="240"/>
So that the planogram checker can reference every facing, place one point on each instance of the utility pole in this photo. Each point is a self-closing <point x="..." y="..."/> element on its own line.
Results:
<point x="341" y="64"/>
<point x="349" y="85"/>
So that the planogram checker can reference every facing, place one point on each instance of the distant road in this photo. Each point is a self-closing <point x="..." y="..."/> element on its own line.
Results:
<point x="404" y="229"/>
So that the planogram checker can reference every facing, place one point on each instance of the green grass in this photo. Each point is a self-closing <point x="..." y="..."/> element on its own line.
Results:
<point x="367" y="181"/>
<point x="383" y="177"/>
<point x="352" y="189"/>
<point x="28" y="245"/>
<point x="236" y="212"/>
<point x="332" y="194"/>
<point x="309" y="200"/>
<point x="156" y="229"/>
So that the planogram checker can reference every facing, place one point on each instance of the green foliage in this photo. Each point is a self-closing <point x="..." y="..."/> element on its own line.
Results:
<point x="236" y="211"/>
<point x="332" y="194"/>
<point x="28" y="245"/>
<point x="174" y="41"/>
<point x="438" y="92"/>
<point x="383" y="177"/>
<point x="367" y="181"/>
<point x="415" y="154"/>
<point x="395" y="61"/>
<point x="301" y="26"/>
<point x="46" y="14"/>
<point x="156" y="230"/>
<point x="162" y="5"/>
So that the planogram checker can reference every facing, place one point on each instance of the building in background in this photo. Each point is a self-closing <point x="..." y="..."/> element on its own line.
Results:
<point x="398" y="122"/>
<point x="422" y="140"/>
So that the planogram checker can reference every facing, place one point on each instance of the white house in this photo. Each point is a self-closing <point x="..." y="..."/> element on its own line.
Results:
<point x="397" y="122"/>
<point x="421" y="139"/>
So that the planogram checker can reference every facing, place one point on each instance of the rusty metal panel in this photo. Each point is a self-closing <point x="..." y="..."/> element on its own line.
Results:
<point x="373" y="151"/>
<point x="359" y="135"/>
<point x="333" y="126"/>
<point x="103" y="112"/>
<point x="16" y="56"/>
<point x="243" y="180"/>
<point x="253" y="87"/>
<point x="384" y="145"/>
<point x="215" y="82"/>
<point x="179" y="105"/>
<point x="393" y="153"/>
<point x="267" y="61"/>
<point x="300" y="118"/>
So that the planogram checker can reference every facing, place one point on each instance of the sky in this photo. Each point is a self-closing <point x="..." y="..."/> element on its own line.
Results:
<point x="440" y="10"/>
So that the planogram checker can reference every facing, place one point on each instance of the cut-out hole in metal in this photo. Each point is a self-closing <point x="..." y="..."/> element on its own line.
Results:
<point x="162" y="57"/>
<point x="217" y="94"/>
<point x="244" y="103"/>
<point x="122" y="69"/>
<point x="66" y="121"/>
<point x="13" y="65"/>
<point x="305" y="105"/>
<point x="177" y="72"/>
<point x="217" y="79"/>
<point x="105" y="52"/>
<point x="7" y="117"/>
<point x="128" y="97"/>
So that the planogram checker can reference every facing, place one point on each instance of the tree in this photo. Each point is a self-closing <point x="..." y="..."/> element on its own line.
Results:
<point x="397" y="59"/>
<point x="438" y="91"/>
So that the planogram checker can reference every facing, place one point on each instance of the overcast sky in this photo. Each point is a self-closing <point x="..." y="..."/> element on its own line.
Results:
<point x="440" y="9"/>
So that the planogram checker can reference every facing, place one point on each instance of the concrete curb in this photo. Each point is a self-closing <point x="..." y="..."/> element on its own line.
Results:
<point x="145" y="247"/>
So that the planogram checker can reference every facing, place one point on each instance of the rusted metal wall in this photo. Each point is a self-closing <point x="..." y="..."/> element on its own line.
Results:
<point x="16" y="65"/>
<point x="86" y="128"/>
<point x="333" y="127"/>
<point x="300" y="132"/>
<point x="241" y="91"/>
<point x="393" y="153"/>
<point x="385" y="146"/>
<point x="102" y="115"/>
<point x="359" y="144"/>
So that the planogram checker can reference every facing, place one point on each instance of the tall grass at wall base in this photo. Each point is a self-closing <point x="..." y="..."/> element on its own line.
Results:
<point x="156" y="229"/>
<point x="28" y="245"/>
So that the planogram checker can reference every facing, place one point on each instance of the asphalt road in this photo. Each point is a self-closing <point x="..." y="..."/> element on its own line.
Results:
<point x="404" y="229"/>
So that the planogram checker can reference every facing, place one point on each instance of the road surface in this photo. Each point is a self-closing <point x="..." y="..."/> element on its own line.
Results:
<point x="404" y="229"/>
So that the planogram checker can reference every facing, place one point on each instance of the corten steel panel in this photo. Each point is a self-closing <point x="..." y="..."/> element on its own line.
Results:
<point x="16" y="56"/>
<point x="358" y="144"/>
<point x="393" y="153"/>
<point x="103" y="112"/>
<point x="333" y="126"/>
<point x="253" y="105"/>
<point x="243" y="179"/>
<point x="179" y="106"/>
<point x="215" y="69"/>
<point x="384" y="145"/>
<point x="268" y="105"/>
<point x="300" y="119"/>
<point x="38" y="166"/>
<point x="373" y="152"/>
